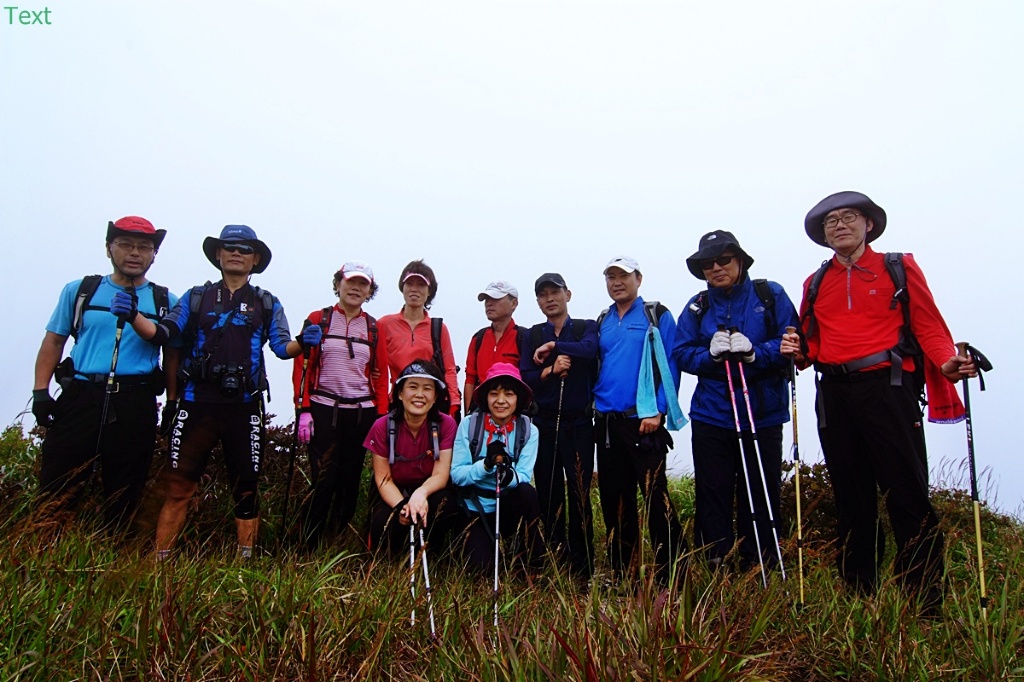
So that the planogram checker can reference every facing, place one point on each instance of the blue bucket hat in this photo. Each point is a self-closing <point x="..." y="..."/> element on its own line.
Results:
<point x="237" y="234"/>
<point x="814" y="222"/>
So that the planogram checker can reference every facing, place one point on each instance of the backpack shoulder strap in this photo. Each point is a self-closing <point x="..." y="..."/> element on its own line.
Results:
<point x="478" y="340"/>
<point x="537" y="335"/>
<point x="392" y="431"/>
<point x="811" y="296"/>
<point x="700" y="305"/>
<point x="654" y="310"/>
<point x="523" y="426"/>
<point x="476" y="428"/>
<point x="435" y="437"/>
<point x="767" y="296"/>
<point x="898" y="273"/>
<point x="86" y="290"/>
<point x="325" y="318"/>
<point x="161" y="301"/>
<point x="436" y="323"/>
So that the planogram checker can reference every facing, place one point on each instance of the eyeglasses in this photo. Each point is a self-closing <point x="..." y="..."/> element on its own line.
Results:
<point x="712" y="262"/>
<point x="144" y="248"/>
<point x="243" y="249"/>
<point x="845" y="218"/>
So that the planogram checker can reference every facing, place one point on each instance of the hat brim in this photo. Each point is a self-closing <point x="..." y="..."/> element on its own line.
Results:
<point x="212" y="244"/>
<point x="524" y="395"/>
<point x="693" y="263"/>
<point x="814" y="221"/>
<point x="157" y="237"/>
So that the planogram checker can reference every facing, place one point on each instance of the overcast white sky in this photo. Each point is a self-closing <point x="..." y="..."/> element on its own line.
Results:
<point x="499" y="140"/>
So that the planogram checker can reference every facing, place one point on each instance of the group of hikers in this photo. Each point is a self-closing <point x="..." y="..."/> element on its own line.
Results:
<point x="539" y="404"/>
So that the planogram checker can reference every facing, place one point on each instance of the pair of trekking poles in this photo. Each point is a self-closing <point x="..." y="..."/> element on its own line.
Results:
<point x="757" y="457"/>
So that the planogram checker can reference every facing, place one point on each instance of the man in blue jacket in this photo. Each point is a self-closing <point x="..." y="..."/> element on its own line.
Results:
<point x="734" y="320"/>
<point x="558" y="360"/>
<point x="75" y="439"/>
<point x="633" y="395"/>
<point x="224" y="327"/>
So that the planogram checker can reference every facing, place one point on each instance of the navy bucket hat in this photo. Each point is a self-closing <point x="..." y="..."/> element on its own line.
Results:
<point x="237" y="234"/>
<point x="713" y="245"/>
<point x="814" y="222"/>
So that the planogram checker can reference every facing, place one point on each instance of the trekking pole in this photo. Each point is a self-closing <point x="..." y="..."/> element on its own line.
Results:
<point x="760" y="468"/>
<point x="743" y="461"/>
<point x="968" y="351"/>
<point x="295" y="447"/>
<point x="412" y="572"/>
<point x="555" y="458"/>
<point x="497" y="533"/>
<point x="426" y="585"/>
<point x="108" y="389"/>
<point x="796" y="465"/>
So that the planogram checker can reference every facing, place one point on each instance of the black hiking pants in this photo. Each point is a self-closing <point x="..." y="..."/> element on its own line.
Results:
<point x="336" y="461"/>
<point x="873" y="439"/>
<point x="721" y="486"/>
<point x="69" y="452"/>
<point x="568" y="527"/>
<point x="626" y="462"/>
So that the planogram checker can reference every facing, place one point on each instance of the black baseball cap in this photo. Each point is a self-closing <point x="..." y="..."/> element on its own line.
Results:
<point x="549" y="278"/>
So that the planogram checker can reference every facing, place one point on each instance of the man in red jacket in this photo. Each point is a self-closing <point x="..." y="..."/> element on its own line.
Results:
<point x="866" y="337"/>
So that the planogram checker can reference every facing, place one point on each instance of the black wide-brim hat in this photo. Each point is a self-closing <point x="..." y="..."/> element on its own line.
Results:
<point x="713" y="245"/>
<point x="238" y="234"/>
<point x="814" y="222"/>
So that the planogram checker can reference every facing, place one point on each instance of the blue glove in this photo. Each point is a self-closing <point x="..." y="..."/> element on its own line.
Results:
<point x="123" y="305"/>
<point x="311" y="335"/>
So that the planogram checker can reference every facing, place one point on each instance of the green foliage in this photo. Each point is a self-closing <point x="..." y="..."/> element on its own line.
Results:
<point x="78" y="605"/>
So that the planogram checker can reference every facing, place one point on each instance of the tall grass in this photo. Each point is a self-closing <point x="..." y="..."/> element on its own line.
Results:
<point x="79" y="605"/>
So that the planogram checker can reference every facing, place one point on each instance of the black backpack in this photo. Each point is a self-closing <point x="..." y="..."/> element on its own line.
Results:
<point x="444" y="400"/>
<point x="264" y="298"/>
<point x="87" y="289"/>
<point x="764" y="292"/>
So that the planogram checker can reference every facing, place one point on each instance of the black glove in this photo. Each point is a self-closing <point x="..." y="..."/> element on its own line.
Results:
<point x="42" y="407"/>
<point x="167" y="417"/>
<point x="496" y="455"/>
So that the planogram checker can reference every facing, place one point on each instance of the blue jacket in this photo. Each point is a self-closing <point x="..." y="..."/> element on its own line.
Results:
<point x="466" y="472"/>
<point x="767" y="376"/>
<point x="621" y="349"/>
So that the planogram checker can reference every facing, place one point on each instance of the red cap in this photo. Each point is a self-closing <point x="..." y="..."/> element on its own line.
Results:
<point x="134" y="226"/>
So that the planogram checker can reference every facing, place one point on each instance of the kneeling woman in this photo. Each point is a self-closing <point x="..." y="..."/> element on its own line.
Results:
<point x="412" y="457"/>
<point x="495" y="450"/>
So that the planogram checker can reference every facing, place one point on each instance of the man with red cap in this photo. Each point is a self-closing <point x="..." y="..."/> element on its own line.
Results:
<point x="98" y="385"/>
<point x="876" y="342"/>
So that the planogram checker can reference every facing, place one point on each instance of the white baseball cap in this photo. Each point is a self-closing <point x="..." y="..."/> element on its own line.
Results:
<point x="499" y="289"/>
<point x="624" y="263"/>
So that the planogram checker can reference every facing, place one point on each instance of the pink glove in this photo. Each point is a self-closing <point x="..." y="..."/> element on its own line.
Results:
<point x="305" y="427"/>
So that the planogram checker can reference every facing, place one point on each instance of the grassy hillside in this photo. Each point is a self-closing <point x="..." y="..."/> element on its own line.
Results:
<point x="77" y="605"/>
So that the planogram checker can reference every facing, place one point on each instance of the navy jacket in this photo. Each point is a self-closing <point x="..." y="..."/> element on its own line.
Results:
<point x="579" y="383"/>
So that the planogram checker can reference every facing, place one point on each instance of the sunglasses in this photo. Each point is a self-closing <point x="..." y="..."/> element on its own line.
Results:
<point x="712" y="262"/>
<point x="243" y="249"/>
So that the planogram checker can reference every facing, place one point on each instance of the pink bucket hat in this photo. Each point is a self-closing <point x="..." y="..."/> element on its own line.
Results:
<point x="507" y="375"/>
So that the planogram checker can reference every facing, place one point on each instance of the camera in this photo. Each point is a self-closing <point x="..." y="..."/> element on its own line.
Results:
<point x="230" y="377"/>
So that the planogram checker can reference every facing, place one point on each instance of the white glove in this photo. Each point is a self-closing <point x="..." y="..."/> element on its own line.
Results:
<point x="720" y="345"/>
<point x="740" y="345"/>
